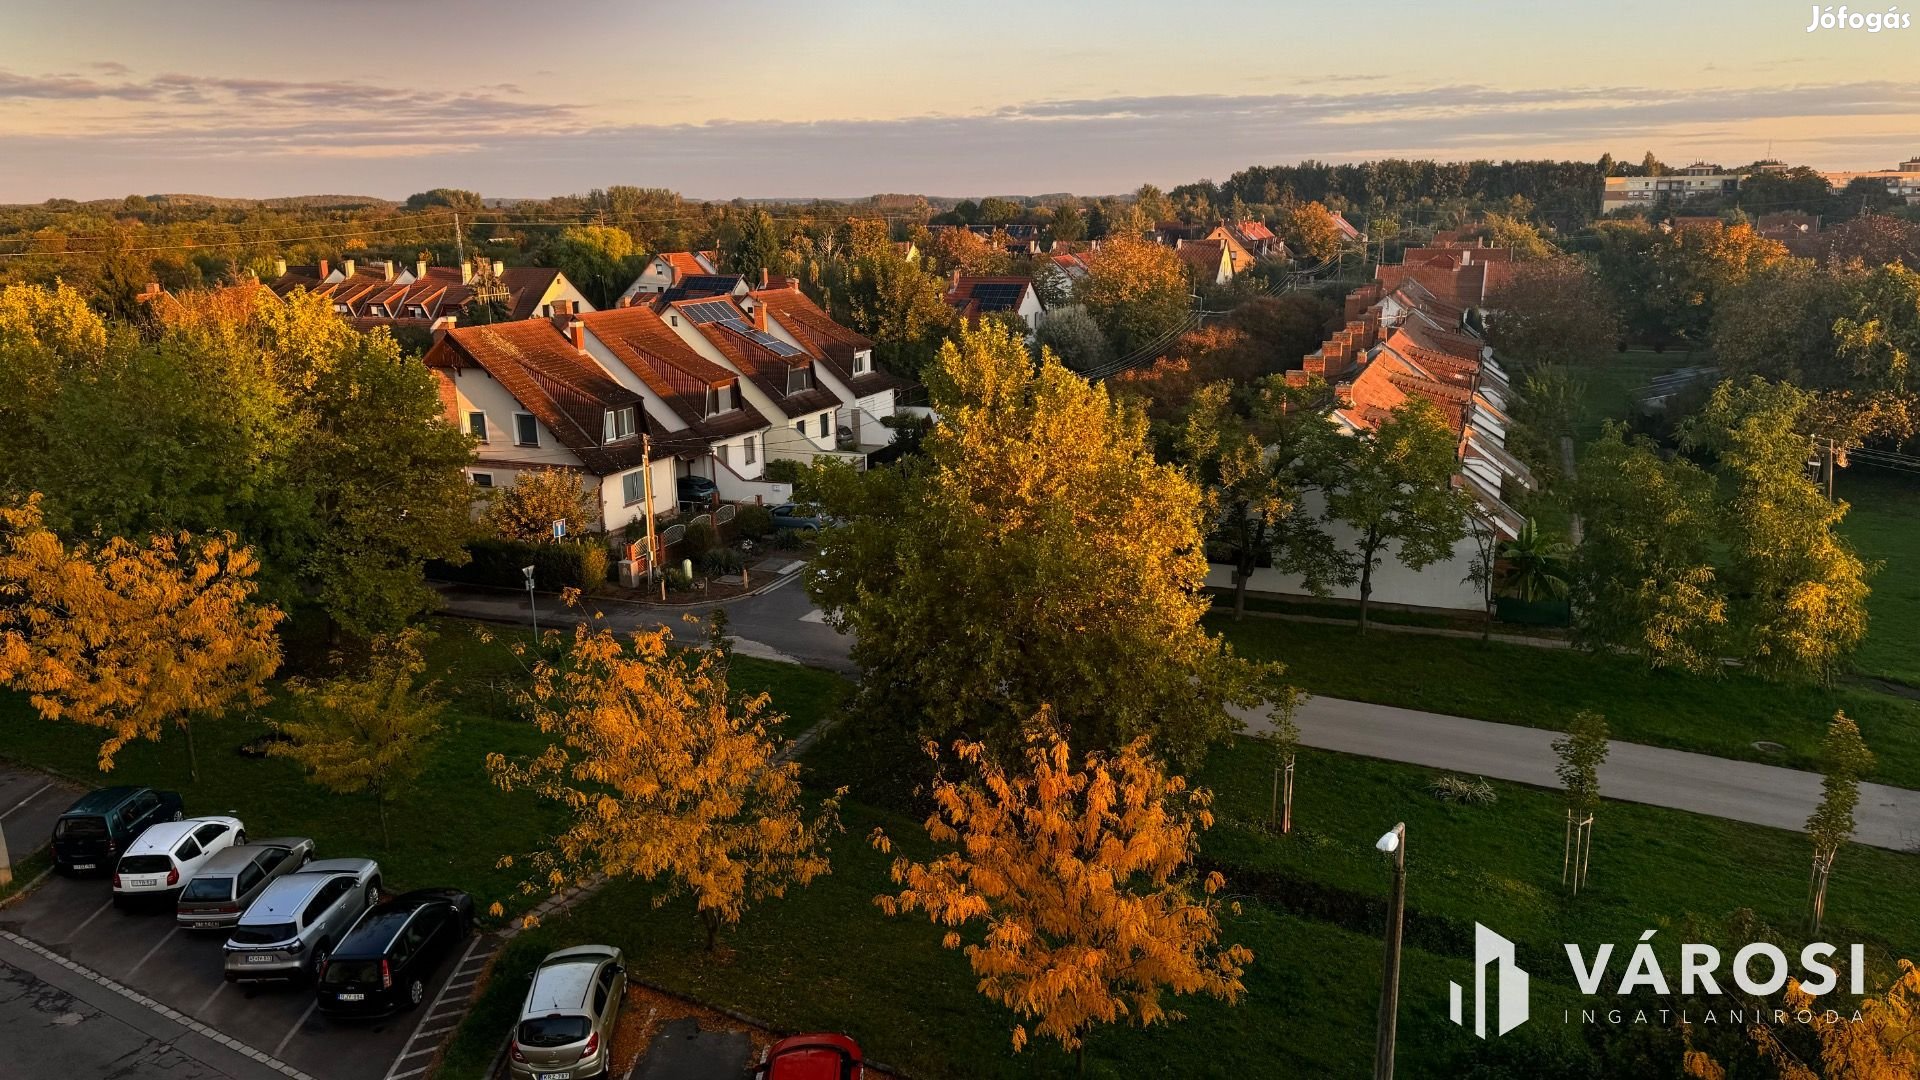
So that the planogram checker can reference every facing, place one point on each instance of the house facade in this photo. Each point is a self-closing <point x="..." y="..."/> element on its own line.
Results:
<point x="667" y="269"/>
<point x="386" y="293"/>
<point x="974" y="296"/>
<point x="1209" y="261"/>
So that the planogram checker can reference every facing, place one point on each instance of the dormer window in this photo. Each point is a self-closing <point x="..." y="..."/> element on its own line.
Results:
<point x="341" y="309"/>
<point x="862" y="362"/>
<point x="799" y="380"/>
<point x="619" y="424"/>
<point x="415" y="311"/>
<point x="720" y="400"/>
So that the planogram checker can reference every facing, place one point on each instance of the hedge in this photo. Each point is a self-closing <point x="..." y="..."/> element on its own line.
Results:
<point x="580" y="564"/>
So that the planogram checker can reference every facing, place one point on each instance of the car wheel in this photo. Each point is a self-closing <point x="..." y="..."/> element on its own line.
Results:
<point x="240" y="837"/>
<point x="373" y="892"/>
<point x="318" y="960"/>
<point x="178" y="815"/>
<point x="416" y="993"/>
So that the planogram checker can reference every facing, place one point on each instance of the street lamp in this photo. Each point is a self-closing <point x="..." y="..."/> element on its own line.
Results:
<point x="531" y="610"/>
<point x="1395" y="844"/>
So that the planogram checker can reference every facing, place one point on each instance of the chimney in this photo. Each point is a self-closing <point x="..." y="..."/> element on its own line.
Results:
<point x="386" y="269"/>
<point x="563" y="307"/>
<point x="279" y="268"/>
<point x="577" y="330"/>
<point x="499" y="268"/>
<point x="152" y="290"/>
<point x="324" y="269"/>
<point x="346" y="268"/>
<point x="760" y="317"/>
<point x="763" y="277"/>
<point x="466" y="272"/>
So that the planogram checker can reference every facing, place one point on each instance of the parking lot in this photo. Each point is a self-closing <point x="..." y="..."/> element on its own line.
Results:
<point x="142" y="950"/>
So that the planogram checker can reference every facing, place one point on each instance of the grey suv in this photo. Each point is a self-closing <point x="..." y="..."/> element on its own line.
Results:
<point x="290" y="930"/>
<point x="566" y="1025"/>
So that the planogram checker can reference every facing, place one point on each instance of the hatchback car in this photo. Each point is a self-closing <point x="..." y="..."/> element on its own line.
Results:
<point x="387" y="961"/>
<point x="235" y="877"/>
<point x="100" y="824"/>
<point x="291" y="929"/>
<point x="566" y="1026"/>
<point x="695" y="490"/>
<point x="812" y="1057"/>
<point x="167" y="856"/>
<point x="797" y="516"/>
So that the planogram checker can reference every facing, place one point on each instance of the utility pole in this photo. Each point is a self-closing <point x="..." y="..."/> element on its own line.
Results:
<point x="531" y="610"/>
<point x="459" y="242"/>
<point x="646" y="492"/>
<point x="1829" y="468"/>
<point x="1394" y="844"/>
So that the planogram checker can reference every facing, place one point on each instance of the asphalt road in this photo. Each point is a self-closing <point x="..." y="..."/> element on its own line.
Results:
<point x="781" y="623"/>
<point x="30" y="803"/>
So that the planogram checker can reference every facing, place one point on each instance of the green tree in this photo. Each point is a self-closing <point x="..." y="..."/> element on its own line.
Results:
<point x="1554" y="311"/>
<point x="1536" y="565"/>
<point x="1074" y="337"/>
<point x="1035" y="555"/>
<point x="1582" y="750"/>
<point x="1844" y="762"/>
<point x="1519" y="235"/>
<point x="527" y="510"/>
<point x="1394" y="489"/>
<point x="370" y="732"/>
<point x="1309" y="231"/>
<point x="750" y="243"/>
<point x="1642" y="577"/>
<point x="600" y="260"/>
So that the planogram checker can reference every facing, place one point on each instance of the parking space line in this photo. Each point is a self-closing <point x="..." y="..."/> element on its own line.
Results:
<point x="295" y="1029"/>
<point x="28" y="799"/>
<point x="420" y="1030"/>
<point x="97" y="913"/>
<point x="409" y="1072"/>
<point x="436" y="1031"/>
<point x="217" y="991"/>
<point x="156" y="948"/>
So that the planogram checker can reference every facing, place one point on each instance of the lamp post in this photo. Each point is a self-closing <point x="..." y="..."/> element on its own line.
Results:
<point x="531" y="610"/>
<point x="1394" y="844"/>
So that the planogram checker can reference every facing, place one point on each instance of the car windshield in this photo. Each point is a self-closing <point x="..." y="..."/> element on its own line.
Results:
<point x="340" y="972"/>
<point x="208" y="888"/>
<point x="267" y="934"/>
<point x="145" y="864"/>
<point x="80" y="828"/>
<point x="556" y="1030"/>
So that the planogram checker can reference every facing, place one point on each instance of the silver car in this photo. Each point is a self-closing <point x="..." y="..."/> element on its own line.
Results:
<point x="233" y="879"/>
<point x="290" y="930"/>
<point x="566" y="1026"/>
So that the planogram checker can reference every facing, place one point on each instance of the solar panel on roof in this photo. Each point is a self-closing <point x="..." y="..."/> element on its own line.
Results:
<point x="711" y="311"/>
<point x="765" y="340"/>
<point x="998" y="295"/>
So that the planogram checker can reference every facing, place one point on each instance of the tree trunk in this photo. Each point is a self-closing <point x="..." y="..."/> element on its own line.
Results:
<point x="1273" y="809"/>
<point x="193" y="757"/>
<point x="380" y="804"/>
<point x="1286" y="802"/>
<point x="1366" y="592"/>
<point x="712" y="919"/>
<point x="1486" y="625"/>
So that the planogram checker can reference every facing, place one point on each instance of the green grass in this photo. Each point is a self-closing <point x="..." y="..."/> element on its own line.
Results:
<point x="1543" y="688"/>
<point x="1610" y="385"/>
<point x="448" y="827"/>
<point x="1884" y="525"/>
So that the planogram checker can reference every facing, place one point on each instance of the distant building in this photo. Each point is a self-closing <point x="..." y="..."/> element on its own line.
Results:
<point x="1211" y="261"/>
<point x="384" y="293"/>
<point x="669" y="268"/>
<point x="1902" y="182"/>
<point x="1695" y="180"/>
<point x="974" y="296"/>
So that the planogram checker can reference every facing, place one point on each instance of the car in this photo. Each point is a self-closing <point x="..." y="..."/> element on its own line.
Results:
<point x="812" y="1057"/>
<point x="235" y="877"/>
<point x="797" y="516"/>
<point x="164" y="857"/>
<point x="565" y="1031"/>
<point x="290" y="930"/>
<point x="100" y="824"/>
<point x="387" y="960"/>
<point x="697" y="490"/>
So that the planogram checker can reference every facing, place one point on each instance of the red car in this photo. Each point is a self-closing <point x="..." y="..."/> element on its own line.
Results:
<point x="812" y="1057"/>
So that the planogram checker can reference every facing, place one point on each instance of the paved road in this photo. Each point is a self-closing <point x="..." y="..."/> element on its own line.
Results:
<point x="30" y="803"/>
<point x="782" y="624"/>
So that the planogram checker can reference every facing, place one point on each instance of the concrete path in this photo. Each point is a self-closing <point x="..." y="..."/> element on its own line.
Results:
<point x="782" y="624"/>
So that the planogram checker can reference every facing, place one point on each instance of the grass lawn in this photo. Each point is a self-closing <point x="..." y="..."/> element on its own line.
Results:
<point x="1884" y="525"/>
<point x="1517" y="684"/>
<point x="1611" y="383"/>
<point x="449" y="826"/>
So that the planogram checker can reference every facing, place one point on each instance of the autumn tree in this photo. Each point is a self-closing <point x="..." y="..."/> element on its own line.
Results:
<point x="1136" y="290"/>
<point x="1080" y="873"/>
<point x="1643" y="577"/>
<point x="1844" y="762"/>
<point x="1582" y="750"/>
<point x="1393" y="488"/>
<point x="667" y="774"/>
<point x="1879" y="1045"/>
<point x="370" y="732"/>
<point x="1691" y="268"/>
<point x="527" y="510"/>
<point x="129" y="637"/>
<point x="1310" y="232"/>
<point x="1798" y="590"/>
<point x="1519" y="236"/>
<point x="1552" y="311"/>
<point x="1035" y="554"/>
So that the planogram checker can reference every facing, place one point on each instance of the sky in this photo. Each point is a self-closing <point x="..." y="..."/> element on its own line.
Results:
<point x="836" y="98"/>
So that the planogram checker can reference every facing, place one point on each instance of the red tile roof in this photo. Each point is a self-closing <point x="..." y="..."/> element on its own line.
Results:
<point x="767" y="369"/>
<point x="826" y="340"/>
<point x="669" y="367"/>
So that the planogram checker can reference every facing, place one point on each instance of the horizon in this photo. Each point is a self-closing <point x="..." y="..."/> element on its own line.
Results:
<point x="1081" y="97"/>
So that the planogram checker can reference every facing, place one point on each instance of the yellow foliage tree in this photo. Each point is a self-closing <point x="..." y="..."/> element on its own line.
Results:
<point x="1309" y="230"/>
<point x="1080" y="873"/>
<point x="527" y="510"/>
<point x="1883" y="1044"/>
<point x="365" y="733"/>
<point x="667" y="774"/>
<point x="126" y="637"/>
<point x="1136" y="290"/>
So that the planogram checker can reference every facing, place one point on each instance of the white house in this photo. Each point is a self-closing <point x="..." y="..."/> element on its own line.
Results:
<point x="974" y="296"/>
<point x="843" y="362"/>
<point x="668" y="269"/>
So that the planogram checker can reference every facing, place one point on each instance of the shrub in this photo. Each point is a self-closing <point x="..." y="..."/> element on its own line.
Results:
<point x="1455" y="789"/>
<point x="679" y="580"/>
<point x="753" y="521"/>
<point x="580" y="564"/>
<point x="722" y="561"/>
<point x="701" y="538"/>
<point x="784" y="471"/>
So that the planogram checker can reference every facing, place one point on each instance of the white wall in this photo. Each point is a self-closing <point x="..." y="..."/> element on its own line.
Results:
<point x="475" y="390"/>
<point x="614" y="511"/>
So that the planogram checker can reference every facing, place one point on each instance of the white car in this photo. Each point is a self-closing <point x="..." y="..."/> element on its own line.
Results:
<point x="169" y="853"/>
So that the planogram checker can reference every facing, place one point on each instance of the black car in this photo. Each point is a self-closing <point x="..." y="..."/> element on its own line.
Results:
<point x="386" y="961"/>
<point x="695" y="490"/>
<point x="97" y="828"/>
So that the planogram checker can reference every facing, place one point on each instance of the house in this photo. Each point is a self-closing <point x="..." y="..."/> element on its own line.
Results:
<point x="696" y="287"/>
<point x="666" y="270"/>
<point x="532" y="397"/>
<point x="843" y="361"/>
<point x="973" y="296"/>
<point x="779" y="379"/>
<point x="1251" y="237"/>
<point x="1462" y="273"/>
<point x="384" y="293"/>
<point x="1787" y="225"/>
<point x="1210" y="261"/>
<point x="907" y="250"/>
<point x="1348" y="233"/>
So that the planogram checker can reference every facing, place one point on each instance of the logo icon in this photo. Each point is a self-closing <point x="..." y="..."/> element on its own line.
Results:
<point x="1510" y="985"/>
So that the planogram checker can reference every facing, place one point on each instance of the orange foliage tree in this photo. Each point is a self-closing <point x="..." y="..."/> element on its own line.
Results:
<point x="667" y="775"/>
<point x="1080" y="873"/>
<point x="1882" y="1044"/>
<point x="125" y="636"/>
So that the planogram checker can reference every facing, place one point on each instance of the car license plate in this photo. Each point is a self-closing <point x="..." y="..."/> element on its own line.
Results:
<point x="351" y="997"/>
<point x="143" y="882"/>
<point x="553" y="1076"/>
<point x="258" y="959"/>
<point x="84" y="865"/>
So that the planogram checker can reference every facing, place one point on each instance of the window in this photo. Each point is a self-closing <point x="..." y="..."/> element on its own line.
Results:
<point x="483" y="479"/>
<point x="801" y="427"/>
<point x="723" y="399"/>
<point x="823" y="425"/>
<point x="250" y="876"/>
<point x="747" y="445"/>
<point x="619" y="424"/>
<point x="209" y="832"/>
<point x="526" y="430"/>
<point x="477" y="425"/>
<point x="633" y="487"/>
<point x="188" y="851"/>
<point x="721" y="452"/>
<point x="860" y="362"/>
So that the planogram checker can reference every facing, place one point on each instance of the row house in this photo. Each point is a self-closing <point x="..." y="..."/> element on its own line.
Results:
<point x="386" y="293"/>
<point x="973" y="296"/>
<point x="1209" y="261"/>
<point x="670" y="268"/>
